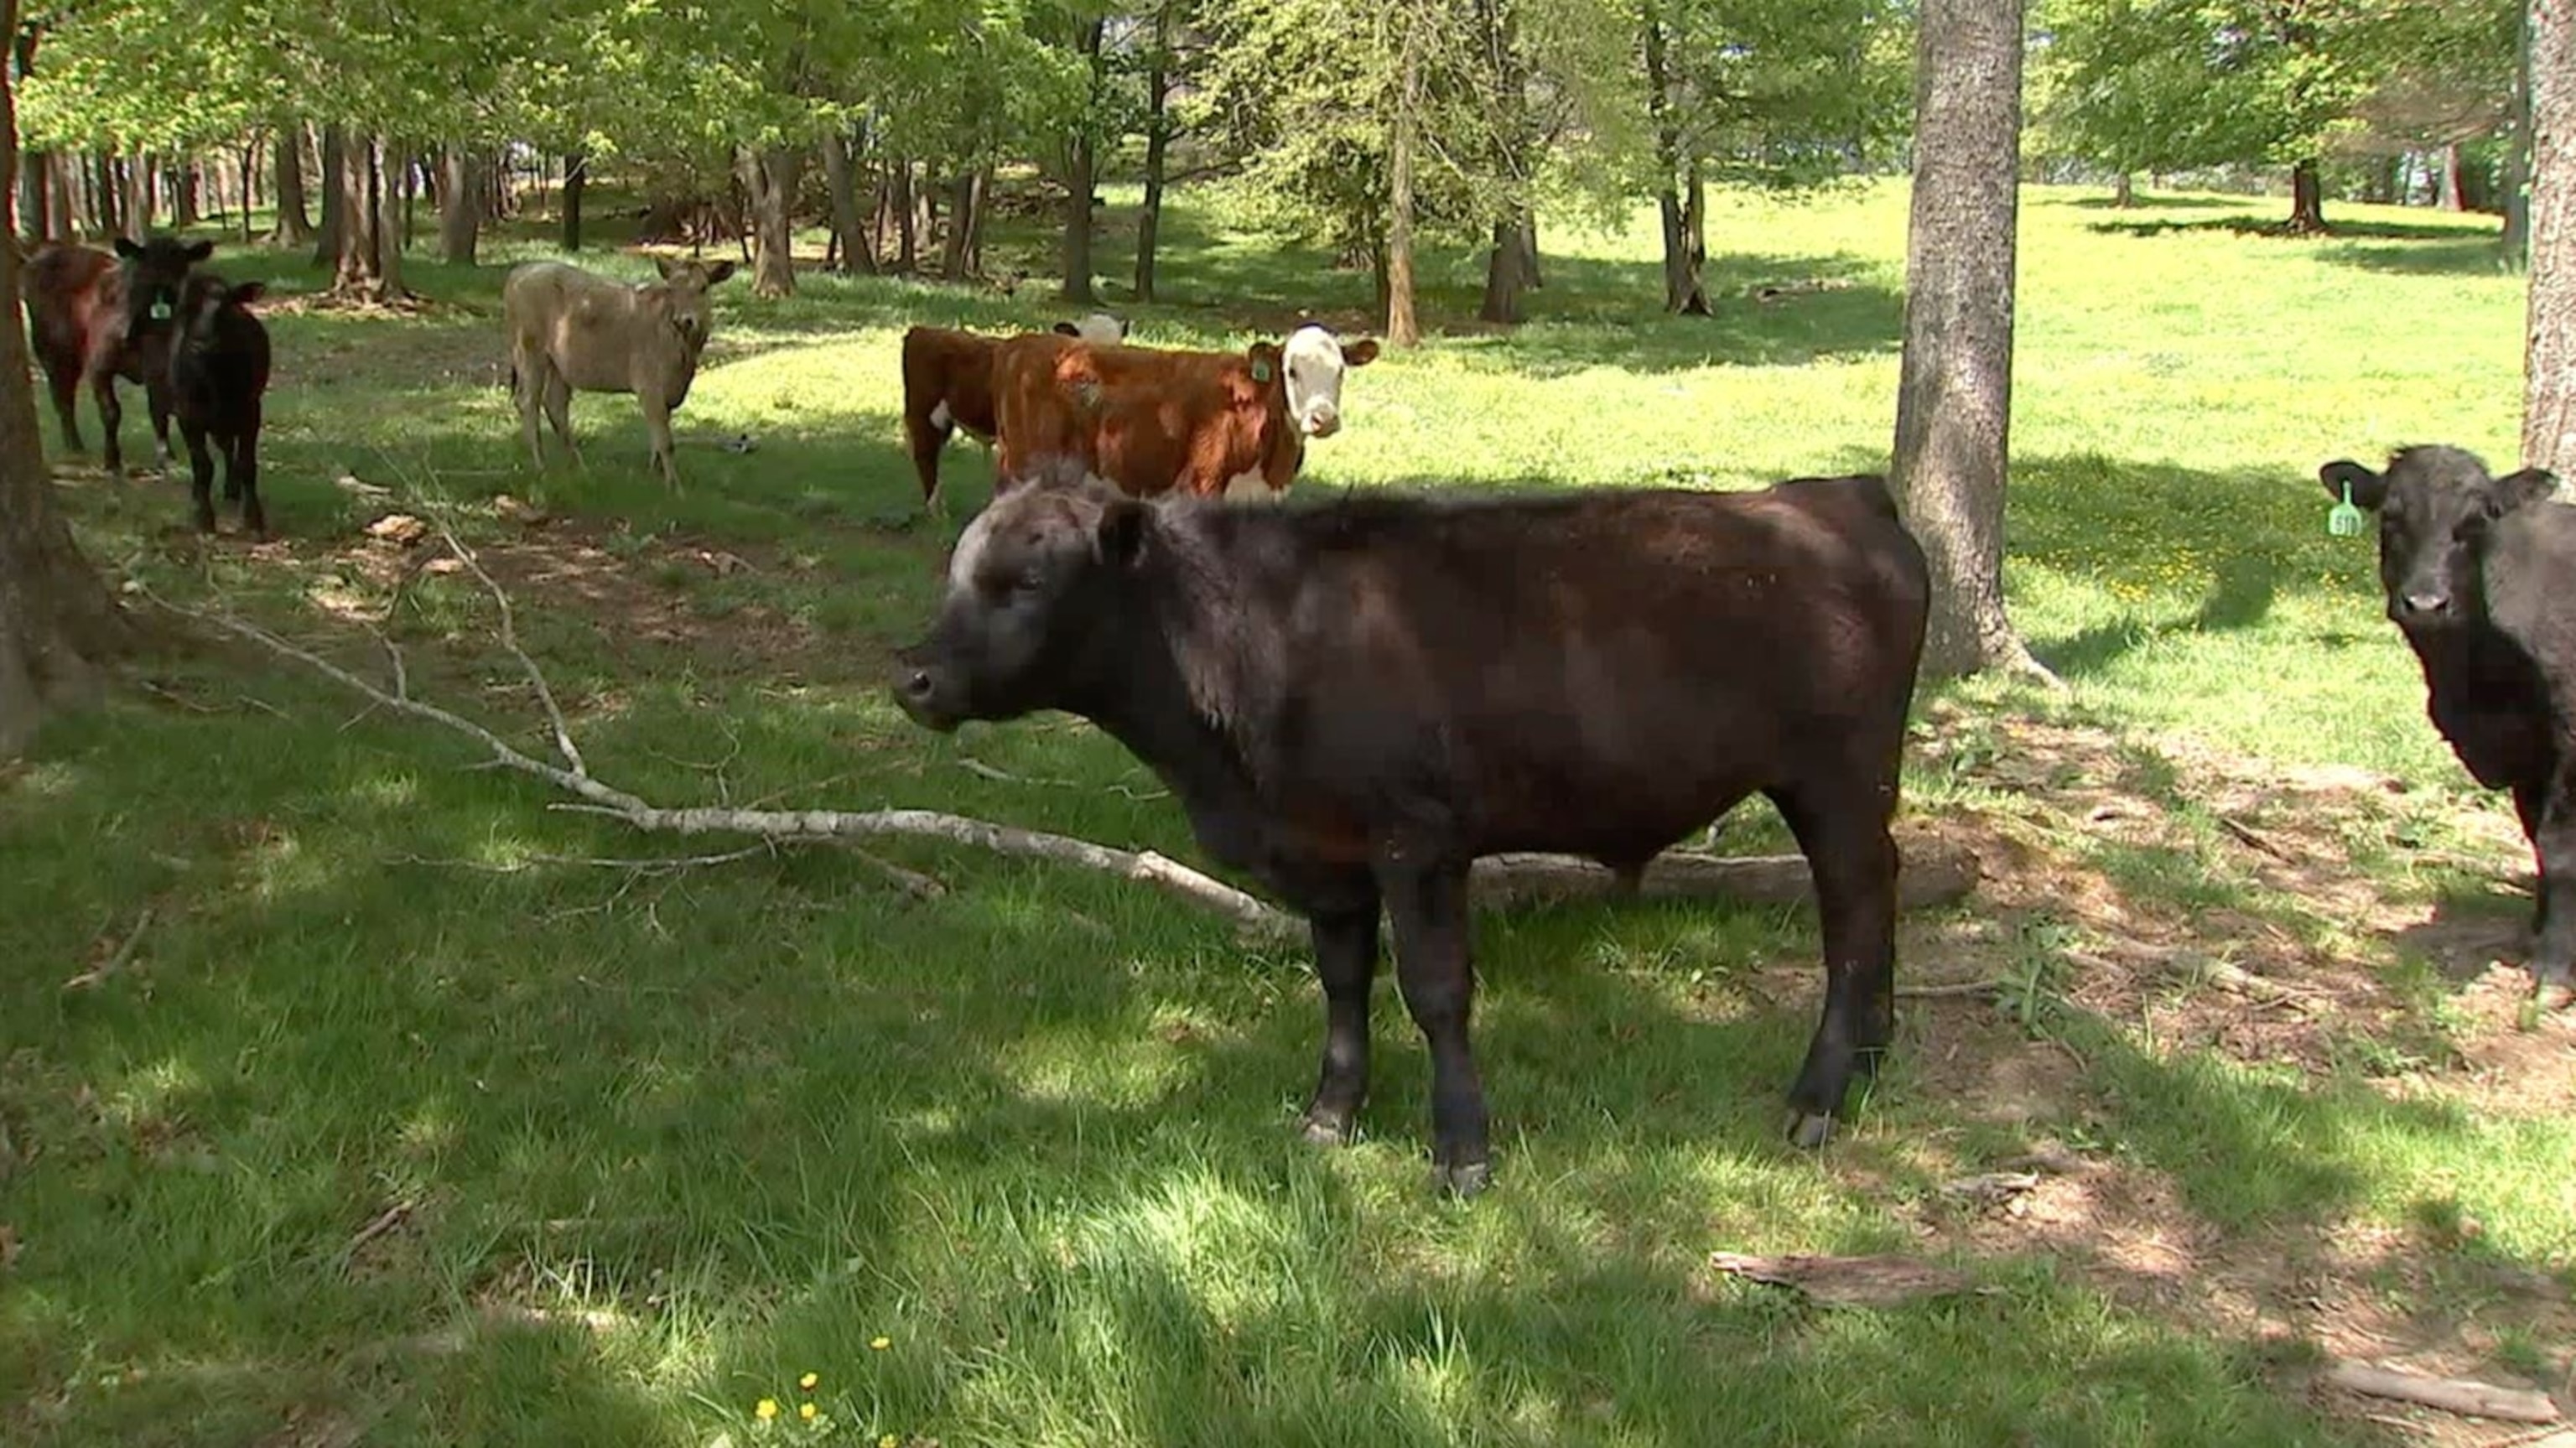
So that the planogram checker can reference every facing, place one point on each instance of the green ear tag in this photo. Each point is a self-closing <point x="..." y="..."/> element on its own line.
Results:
<point x="1260" y="371"/>
<point x="161" y="309"/>
<point x="2344" y="520"/>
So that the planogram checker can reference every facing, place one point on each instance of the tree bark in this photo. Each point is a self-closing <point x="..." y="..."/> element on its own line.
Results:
<point x="1503" y="278"/>
<point x="292" y="228"/>
<point x="1527" y="240"/>
<point x="961" y="216"/>
<point x="907" y="236"/>
<point x="1694" y="240"/>
<point x="187" y="207"/>
<point x="1079" y="176"/>
<point x="105" y="216"/>
<point x="66" y="219"/>
<point x="35" y="175"/>
<point x="2549" y="357"/>
<point x="576" y="180"/>
<point x="769" y="178"/>
<point x="58" y="622"/>
<point x="460" y="205"/>
<point x="1158" y="138"/>
<point x="849" y="224"/>
<point x="2124" y="191"/>
<point x="1504" y="275"/>
<point x="135" y="174"/>
<point x="1680" y="274"/>
<point x="2307" y="198"/>
<point x="2516" y="241"/>
<point x="330" y="238"/>
<point x="357" y="267"/>
<point x="1954" y="397"/>
<point x="1403" y="329"/>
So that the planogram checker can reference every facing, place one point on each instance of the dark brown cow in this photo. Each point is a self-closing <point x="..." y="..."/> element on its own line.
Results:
<point x="219" y="364"/>
<point x="1356" y="699"/>
<point x="95" y="318"/>
<point x="1202" y="423"/>
<point x="948" y="385"/>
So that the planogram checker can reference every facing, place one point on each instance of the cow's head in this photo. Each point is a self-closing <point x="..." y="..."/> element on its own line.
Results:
<point x="1310" y="367"/>
<point x="203" y="302"/>
<point x="681" y="298"/>
<point x="1099" y="329"/>
<point x="1031" y="587"/>
<point x="154" y="270"/>
<point x="2435" y="507"/>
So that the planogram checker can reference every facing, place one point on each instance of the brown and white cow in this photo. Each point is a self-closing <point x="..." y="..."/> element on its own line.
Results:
<point x="1206" y="424"/>
<point x="948" y="385"/>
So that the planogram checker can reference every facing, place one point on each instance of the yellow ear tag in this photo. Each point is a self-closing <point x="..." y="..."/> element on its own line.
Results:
<point x="2344" y="520"/>
<point x="1260" y="371"/>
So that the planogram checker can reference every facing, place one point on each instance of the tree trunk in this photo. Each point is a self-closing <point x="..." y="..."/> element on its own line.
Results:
<point x="979" y="205"/>
<point x="187" y="208"/>
<point x="460" y="206"/>
<point x="1694" y="240"/>
<point x="961" y="212"/>
<point x="291" y="227"/>
<point x="391" y="190"/>
<point x="2124" y="191"/>
<point x="58" y="622"/>
<point x="2307" y="198"/>
<point x="2549" y="359"/>
<point x="1158" y="138"/>
<point x="35" y="178"/>
<point x="1954" y="397"/>
<point x="1527" y="239"/>
<point x="1078" y="178"/>
<point x="1680" y="275"/>
<point x="2517" y="152"/>
<point x="330" y="239"/>
<point x="1402" y="328"/>
<point x="356" y="273"/>
<point x="849" y="225"/>
<point x="899" y="201"/>
<point x="135" y="175"/>
<point x="1503" y="278"/>
<point x="769" y="178"/>
<point x="576" y="180"/>
<point x="2454" y="191"/>
<point x="66" y="190"/>
<point x="107" y="214"/>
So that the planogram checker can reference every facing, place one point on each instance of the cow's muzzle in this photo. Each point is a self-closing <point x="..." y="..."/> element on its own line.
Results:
<point x="1323" y="422"/>
<point x="922" y="690"/>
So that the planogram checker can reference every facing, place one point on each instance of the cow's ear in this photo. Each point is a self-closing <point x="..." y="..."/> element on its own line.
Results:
<point x="2369" y="489"/>
<point x="719" y="272"/>
<point x="1360" y="353"/>
<point x="664" y="265"/>
<point x="200" y="250"/>
<point x="1121" y="533"/>
<point x="249" y="292"/>
<point x="126" y="248"/>
<point x="2515" y="489"/>
<point x="1265" y="361"/>
<point x="1066" y="329"/>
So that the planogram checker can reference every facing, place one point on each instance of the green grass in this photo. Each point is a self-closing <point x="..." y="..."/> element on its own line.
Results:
<point x="1035" y="1132"/>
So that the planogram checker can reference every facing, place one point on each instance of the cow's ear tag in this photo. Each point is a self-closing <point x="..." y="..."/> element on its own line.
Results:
<point x="161" y="309"/>
<point x="2343" y="520"/>
<point x="1260" y="371"/>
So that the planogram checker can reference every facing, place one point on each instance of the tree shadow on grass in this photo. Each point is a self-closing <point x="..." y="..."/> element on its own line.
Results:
<point x="2158" y="201"/>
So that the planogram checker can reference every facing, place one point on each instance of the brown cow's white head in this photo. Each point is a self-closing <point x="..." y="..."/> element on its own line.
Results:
<point x="1100" y="329"/>
<point x="681" y="297"/>
<point x="1311" y="366"/>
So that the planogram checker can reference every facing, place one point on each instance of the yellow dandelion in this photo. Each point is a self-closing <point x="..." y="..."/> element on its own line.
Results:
<point x="808" y="1381"/>
<point x="767" y="1410"/>
<point x="807" y="1411"/>
<point x="889" y="1441"/>
<point x="881" y="1343"/>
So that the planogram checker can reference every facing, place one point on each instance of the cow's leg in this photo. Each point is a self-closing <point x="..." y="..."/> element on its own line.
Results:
<point x="2530" y="799"/>
<point x="111" y="413"/>
<point x="657" y="426"/>
<point x="1428" y="906"/>
<point x="62" y="378"/>
<point x="527" y="386"/>
<point x="156" y="399"/>
<point x="1346" y="964"/>
<point x="1840" y="820"/>
<point x="558" y="403"/>
<point x="2553" y="955"/>
<point x="201" y="475"/>
<point x="927" y="435"/>
<point x="241" y="472"/>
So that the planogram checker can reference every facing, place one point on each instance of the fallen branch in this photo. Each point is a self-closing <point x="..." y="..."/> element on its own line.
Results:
<point x="124" y="955"/>
<point x="1882" y="1281"/>
<point x="1935" y="872"/>
<point x="510" y="641"/>
<point x="2452" y="1395"/>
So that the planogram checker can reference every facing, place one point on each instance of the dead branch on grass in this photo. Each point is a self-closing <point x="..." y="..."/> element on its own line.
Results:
<point x="115" y="963"/>
<point x="2463" y="1396"/>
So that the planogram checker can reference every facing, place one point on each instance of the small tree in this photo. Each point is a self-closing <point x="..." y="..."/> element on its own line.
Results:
<point x="2549" y="361"/>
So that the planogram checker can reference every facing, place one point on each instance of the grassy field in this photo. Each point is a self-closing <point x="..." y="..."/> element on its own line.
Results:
<point x="383" y="1119"/>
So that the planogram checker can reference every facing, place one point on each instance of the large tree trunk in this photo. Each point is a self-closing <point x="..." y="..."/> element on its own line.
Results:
<point x="2549" y="358"/>
<point x="35" y="179"/>
<point x="576" y="179"/>
<point x="292" y="228"/>
<point x="2307" y="198"/>
<point x="2454" y="184"/>
<point x="106" y="218"/>
<point x="1505" y="274"/>
<point x="330" y="239"/>
<point x="460" y="205"/>
<point x="961" y="217"/>
<point x="1682" y="291"/>
<point x="769" y="179"/>
<point x="1079" y="176"/>
<point x="136" y="203"/>
<point x="392" y="192"/>
<point x="58" y="622"/>
<point x="357" y="266"/>
<point x="1403" y="329"/>
<point x="1954" y="396"/>
<point x="66" y="192"/>
<point x="2517" y="153"/>
<point x="1158" y="140"/>
<point x="186" y="206"/>
<point x="849" y="223"/>
<point x="2124" y="191"/>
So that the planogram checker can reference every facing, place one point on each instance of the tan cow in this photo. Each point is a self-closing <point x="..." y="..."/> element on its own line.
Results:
<point x="573" y="330"/>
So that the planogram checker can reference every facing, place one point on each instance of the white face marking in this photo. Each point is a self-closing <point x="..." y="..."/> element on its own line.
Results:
<point x="1313" y="359"/>
<point x="1100" y="329"/>
<point x="970" y="552"/>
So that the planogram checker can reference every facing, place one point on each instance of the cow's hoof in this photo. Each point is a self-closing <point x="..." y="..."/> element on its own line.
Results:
<point x="1809" y="1129"/>
<point x="1465" y="1181"/>
<point x="2554" y="989"/>
<point x="1325" y="1128"/>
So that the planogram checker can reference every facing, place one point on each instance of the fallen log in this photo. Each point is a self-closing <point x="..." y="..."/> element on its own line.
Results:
<point x="1935" y="872"/>
<point x="2463" y="1396"/>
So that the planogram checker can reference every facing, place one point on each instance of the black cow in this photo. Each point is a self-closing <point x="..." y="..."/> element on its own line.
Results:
<point x="2480" y="574"/>
<point x="218" y="376"/>
<point x="1356" y="699"/>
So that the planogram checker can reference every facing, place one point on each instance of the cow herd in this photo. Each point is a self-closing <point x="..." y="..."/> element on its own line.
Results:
<point x="1356" y="699"/>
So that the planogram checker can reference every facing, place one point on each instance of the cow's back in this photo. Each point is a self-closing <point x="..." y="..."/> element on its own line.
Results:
<point x="954" y="369"/>
<point x="585" y="325"/>
<point x="1145" y="418"/>
<point x="1596" y="673"/>
<point x="63" y="286"/>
